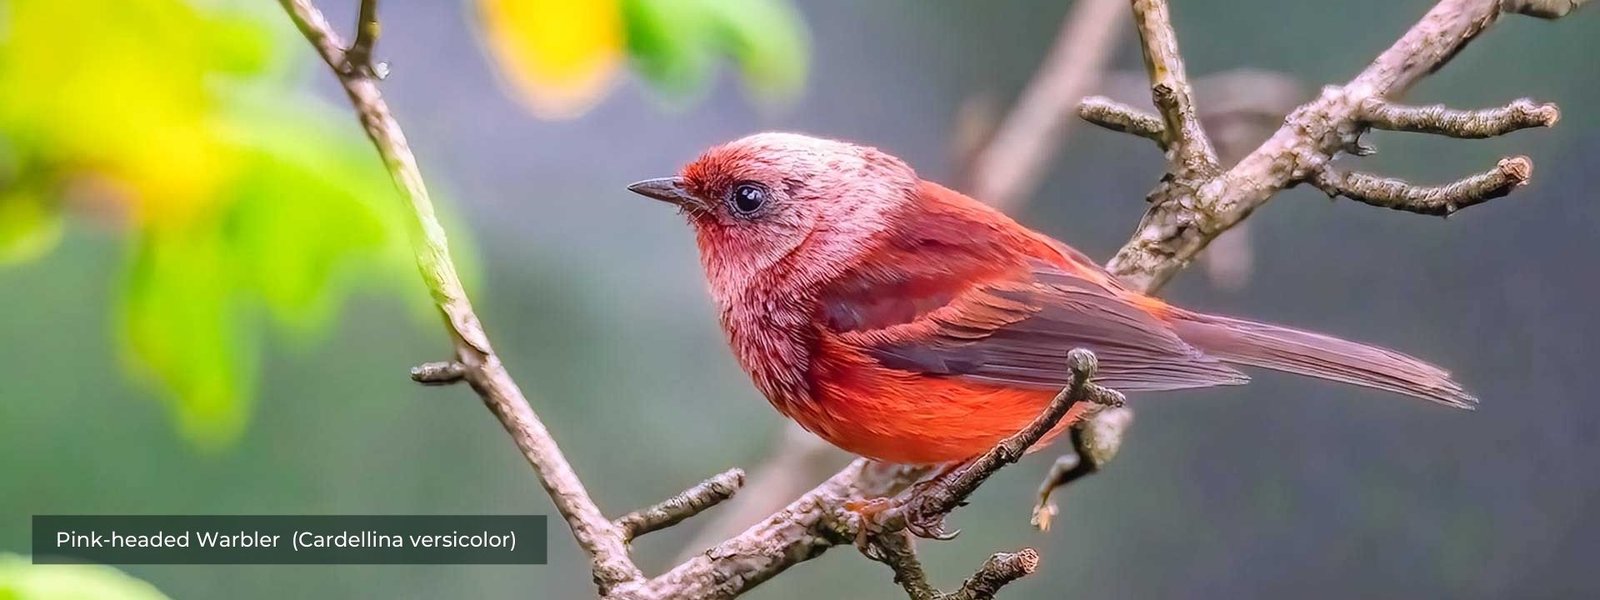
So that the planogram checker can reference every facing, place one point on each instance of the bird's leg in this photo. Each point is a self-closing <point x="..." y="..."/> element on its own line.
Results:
<point x="868" y="511"/>
<point x="925" y="524"/>
<point x="872" y="511"/>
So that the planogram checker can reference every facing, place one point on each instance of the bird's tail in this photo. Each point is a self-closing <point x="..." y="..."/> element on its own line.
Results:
<point x="1324" y="357"/>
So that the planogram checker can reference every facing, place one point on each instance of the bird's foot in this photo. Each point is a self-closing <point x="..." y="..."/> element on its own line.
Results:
<point x="910" y="511"/>
<point x="868" y="512"/>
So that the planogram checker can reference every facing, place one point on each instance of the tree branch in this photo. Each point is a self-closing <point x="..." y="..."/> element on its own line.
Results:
<point x="899" y="553"/>
<point x="1185" y="216"/>
<point x="475" y="360"/>
<point x="795" y="464"/>
<point x="1439" y="119"/>
<point x="1095" y="441"/>
<point x="1544" y="9"/>
<point x="358" y="58"/>
<point x="1120" y="117"/>
<point x="439" y="373"/>
<point x="1442" y="201"/>
<point x="687" y="503"/>
<point x="1188" y="147"/>
<point x="924" y="513"/>
<point x="1183" y="222"/>
<point x="1171" y="234"/>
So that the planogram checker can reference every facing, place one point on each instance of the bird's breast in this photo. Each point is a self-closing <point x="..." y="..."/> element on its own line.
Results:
<point x="773" y="338"/>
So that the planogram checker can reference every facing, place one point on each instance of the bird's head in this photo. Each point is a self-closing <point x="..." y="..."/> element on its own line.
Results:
<point x="783" y="198"/>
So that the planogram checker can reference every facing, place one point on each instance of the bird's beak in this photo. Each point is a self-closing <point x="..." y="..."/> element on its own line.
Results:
<point x="665" y="189"/>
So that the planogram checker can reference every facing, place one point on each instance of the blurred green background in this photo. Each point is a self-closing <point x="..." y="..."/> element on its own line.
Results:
<point x="252" y="359"/>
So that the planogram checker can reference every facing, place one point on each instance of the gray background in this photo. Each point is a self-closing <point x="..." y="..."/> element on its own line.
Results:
<point x="594" y="297"/>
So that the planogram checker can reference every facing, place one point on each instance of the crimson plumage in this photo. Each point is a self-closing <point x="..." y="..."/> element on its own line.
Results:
<point x="903" y="321"/>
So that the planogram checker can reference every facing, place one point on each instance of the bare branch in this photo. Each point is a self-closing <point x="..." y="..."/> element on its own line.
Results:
<point x="1186" y="216"/>
<point x="686" y="504"/>
<point x="439" y="373"/>
<point x="1544" y="9"/>
<point x="1442" y="200"/>
<point x="924" y="513"/>
<point x="482" y="368"/>
<point x="1439" y="119"/>
<point x="1185" y="220"/>
<point x="803" y="530"/>
<point x="794" y="465"/>
<point x="898" y="552"/>
<point x="358" y="58"/>
<point x="999" y="570"/>
<point x="1175" y="230"/>
<point x="1120" y="117"/>
<point x="1187" y="145"/>
<point x="1095" y="442"/>
<point x="1013" y="160"/>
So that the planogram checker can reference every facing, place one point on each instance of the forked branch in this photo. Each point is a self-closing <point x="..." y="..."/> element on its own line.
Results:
<point x="475" y="361"/>
<point x="1202" y="202"/>
<point x="924" y="512"/>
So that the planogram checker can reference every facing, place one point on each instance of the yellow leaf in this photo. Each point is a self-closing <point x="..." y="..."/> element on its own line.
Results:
<point x="559" y="55"/>
<point x="115" y="88"/>
<point x="29" y="226"/>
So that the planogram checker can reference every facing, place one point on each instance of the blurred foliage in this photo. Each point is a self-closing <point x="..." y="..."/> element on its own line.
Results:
<point x="248" y="201"/>
<point x="240" y="193"/>
<point x="21" y="580"/>
<point x="560" y="57"/>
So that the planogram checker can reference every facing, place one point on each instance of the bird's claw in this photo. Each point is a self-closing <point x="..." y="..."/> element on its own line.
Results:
<point x="867" y="512"/>
<point x="926" y="524"/>
<point x="871" y="515"/>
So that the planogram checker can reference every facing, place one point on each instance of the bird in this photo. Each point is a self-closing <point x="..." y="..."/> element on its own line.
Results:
<point x="905" y="322"/>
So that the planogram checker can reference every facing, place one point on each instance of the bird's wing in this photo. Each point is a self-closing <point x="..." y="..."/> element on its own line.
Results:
<point x="1010" y="325"/>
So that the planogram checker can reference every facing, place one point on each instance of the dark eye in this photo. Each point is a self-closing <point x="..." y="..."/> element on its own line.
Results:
<point x="748" y="198"/>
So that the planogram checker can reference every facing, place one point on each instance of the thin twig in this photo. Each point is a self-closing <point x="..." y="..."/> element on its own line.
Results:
<point x="1544" y="9"/>
<point x="1187" y="144"/>
<point x="795" y="464"/>
<point x="1095" y="441"/>
<point x="594" y="533"/>
<point x="1181" y="225"/>
<point x="801" y="531"/>
<point x="685" y="504"/>
<point x="358" y="58"/>
<point x="1120" y="117"/>
<point x="1166" y="241"/>
<point x="439" y="373"/>
<point x="1001" y="569"/>
<point x="899" y="553"/>
<point x="1183" y="220"/>
<point x="924" y="513"/>
<point x="1014" y="158"/>
<point x="1441" y="200"/>
<point x="1439" y="119"/>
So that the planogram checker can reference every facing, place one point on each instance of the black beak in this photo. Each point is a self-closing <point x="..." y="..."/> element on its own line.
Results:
<point x="665" y="189"/>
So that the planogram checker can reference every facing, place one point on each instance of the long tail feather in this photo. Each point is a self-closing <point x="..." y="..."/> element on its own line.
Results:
<point x="1312" y="354"/>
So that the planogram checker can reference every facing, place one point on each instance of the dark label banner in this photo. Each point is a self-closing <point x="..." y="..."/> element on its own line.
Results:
<point x="291" y="540"/>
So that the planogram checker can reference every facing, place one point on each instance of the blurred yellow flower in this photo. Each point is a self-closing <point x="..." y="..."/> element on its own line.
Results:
<point x="558" y="55"/>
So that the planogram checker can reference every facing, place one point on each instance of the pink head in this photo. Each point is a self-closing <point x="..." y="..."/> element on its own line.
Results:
<point x="774" y="198"/>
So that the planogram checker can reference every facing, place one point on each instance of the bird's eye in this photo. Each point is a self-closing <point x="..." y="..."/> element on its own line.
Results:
<point x="748" y="198"/>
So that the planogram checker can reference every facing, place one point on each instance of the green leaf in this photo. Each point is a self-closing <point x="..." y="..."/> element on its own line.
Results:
<point x="674" y="43"/>
<point x="312" y="208"/>
<point x="20" y="580"/>
<point x="768" y="39"/>
<point x="667" y="43"/>
<point x="180" y="325"/>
